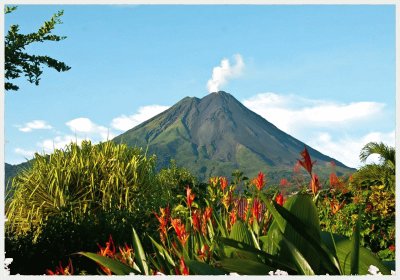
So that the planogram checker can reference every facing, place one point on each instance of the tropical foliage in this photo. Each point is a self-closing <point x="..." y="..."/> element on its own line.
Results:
<point x="179" y="227"/>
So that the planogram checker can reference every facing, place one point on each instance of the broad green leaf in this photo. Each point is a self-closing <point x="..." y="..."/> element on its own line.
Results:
<point x="240" y="232"/>
<point x="140" y="257"/>
<point x="308" y="232"/>
<point x="270" y="260"/>
<point x="245" y="266"/>
<point x="301" y="263"/>
<point x="366" y="258"/>
<point x="201" y="268"/>
<point x="115" y="266"/>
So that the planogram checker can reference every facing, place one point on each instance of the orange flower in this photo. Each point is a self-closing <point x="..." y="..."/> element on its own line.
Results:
<point x="259" y="181"/>
<point x="227" y="200"/>
<point x="306" y="162"/>
<point x="108" y="251"/>
<point x="163" y="220"/>
<point x="189" y="197"/>
<point x="180" y="230"/>
<point x="232" y="217"/>
<point x="60" y="270"/>
<point x="279" y="199"/>
<point x="315" y="185"/>
<point x="223" y="182"/>
<point x="335" y="206"/>
<point x="126" y="255"/>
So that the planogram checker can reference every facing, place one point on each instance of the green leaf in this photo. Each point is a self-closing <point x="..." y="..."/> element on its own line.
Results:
<point x="301" y="263"/>
<point x="270" y="260"/>
<point x="115" y="266"/>
<point x="162" y="252"/>
<point x="366" y="258"/>
<point x="245" y="266"/>
<point x="140" y="257"/>
<point x="201" y="268"/>
<point x="302" y="204"/>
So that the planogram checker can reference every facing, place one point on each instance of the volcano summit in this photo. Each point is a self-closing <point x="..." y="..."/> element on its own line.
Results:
<point x="216" y="134"/>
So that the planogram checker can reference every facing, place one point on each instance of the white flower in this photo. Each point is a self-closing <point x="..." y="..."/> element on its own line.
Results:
<point x="234" y="274"/>
<point x="373" y="270"/>
<point x="7" y="262"/>
<point x="393" y="272"/>
<point x="278" y="272"/>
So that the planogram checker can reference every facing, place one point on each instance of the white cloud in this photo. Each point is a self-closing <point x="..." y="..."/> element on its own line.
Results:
<point x="28" y="154"/>
<point x="89" y="128"/>
<point x="292" y="113"/>
<point x="225" y="71"/>
<point x="335" y="129"/>
<point x="58" y="142"/>
<point x="35" y="124"/>
<point x="347" y="149"/>
<point x="144" y="113"/>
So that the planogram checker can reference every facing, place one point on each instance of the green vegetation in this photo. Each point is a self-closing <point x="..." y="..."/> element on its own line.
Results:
<point x="75" y="199"/>
<point x="18" y="62"/>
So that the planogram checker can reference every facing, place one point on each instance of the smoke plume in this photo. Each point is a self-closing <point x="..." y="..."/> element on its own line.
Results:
<point x="224" y="72"/>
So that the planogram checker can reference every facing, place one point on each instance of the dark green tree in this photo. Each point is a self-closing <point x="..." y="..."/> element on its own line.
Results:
<point x="18" y="62"/>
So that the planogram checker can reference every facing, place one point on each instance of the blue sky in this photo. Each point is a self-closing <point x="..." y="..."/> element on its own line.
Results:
<point x="323" y="73"/>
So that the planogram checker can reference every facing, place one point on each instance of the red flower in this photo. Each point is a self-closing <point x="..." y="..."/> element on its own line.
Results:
<point x="259" y="181"/>
<point x="223" y="182"/>
<point x="183" y="268"/>
<point x="204" y="252"/>
<point x="189" y="197"/>
<point x="392" y="248"/>
<point x="196" y="220"/>
<point x="315" y="185"/>
<point x="279" y="199"/>
<point x="60" y="270"/>
<point x="283" y="182"/>
<point x="180" y="230"/>
<point x="306" y="162"/>
<point x="333" y="180"/>
<point x="206" y="216"/>
<point x="256" y="210"/>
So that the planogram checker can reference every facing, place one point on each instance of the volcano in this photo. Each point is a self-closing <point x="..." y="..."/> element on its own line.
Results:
<point x="215" y="135"/>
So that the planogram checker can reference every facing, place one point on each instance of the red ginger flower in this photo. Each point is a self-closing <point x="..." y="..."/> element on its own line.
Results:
<point x="223" y="182"/>
<point x="206" y="216"/>
<point x="392" y="248"/>
<point x="279" y="199"/>
<point x="183" y="269"/>
<point x="306" y="162"/>
<point x="256" y="210"/>
<point x="315" y="185"/>
<point x="196" y="220"/>
<point x="60" y="270"/>
<point x="189" y="197"/>
<point x="259" y="181"/>
<point x="180" y="230"/>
